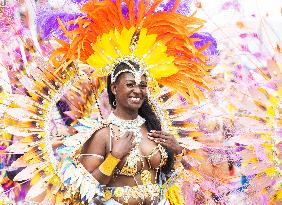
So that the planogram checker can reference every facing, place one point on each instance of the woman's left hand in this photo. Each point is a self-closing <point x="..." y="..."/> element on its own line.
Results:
<point x="165" y="139"/>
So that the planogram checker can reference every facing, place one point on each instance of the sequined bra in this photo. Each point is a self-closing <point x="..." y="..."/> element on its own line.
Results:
<point x="130" y="168"/>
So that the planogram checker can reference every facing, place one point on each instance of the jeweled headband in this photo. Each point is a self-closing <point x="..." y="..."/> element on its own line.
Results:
<point x="136" y="72"/>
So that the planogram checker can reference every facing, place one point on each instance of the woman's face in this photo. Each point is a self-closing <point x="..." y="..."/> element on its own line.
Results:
<point x="128" y="94"/>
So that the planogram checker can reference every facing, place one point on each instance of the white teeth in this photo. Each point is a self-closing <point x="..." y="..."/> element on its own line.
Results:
<point x="134" y="99"/>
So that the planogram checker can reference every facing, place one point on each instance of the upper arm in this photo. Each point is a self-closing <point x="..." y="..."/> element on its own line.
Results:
<point x="95" y="145"/>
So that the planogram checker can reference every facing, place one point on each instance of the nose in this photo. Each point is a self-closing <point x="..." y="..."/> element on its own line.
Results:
<point x="137" y="89"/>
<point x="140" y="89"/>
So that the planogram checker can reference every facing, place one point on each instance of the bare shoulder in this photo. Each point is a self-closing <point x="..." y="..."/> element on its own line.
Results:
<point x="94" y="149"/>
<point x="101" y="133"/>
<point x="97" y="142"/>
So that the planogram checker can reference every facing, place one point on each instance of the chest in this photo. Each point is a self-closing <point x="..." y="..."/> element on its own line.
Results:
<point x="145" y="155"/>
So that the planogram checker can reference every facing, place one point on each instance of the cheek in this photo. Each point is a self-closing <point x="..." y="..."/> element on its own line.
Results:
<point x="122" y="92"/>
<point x="144" y="92"/>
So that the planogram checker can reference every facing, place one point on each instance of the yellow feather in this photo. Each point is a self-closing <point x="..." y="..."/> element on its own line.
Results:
<point x="106" y="43"/>
<point x="270" y="111"/>
<point x="274" y="101"/>
<point x="262" y="90"/>
<point x="35" y="178"/>
<point x="271" y="171"/>
<point x="278" y="194"/>
<point x="145" y="43"/>
<point x="195" y="134"/>
<point x="163" y="71"/>
<point x="123" y="39"/>
<point x="280" y="92"/>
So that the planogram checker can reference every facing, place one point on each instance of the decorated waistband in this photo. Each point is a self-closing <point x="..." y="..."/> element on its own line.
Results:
<point x="135" y="192"/>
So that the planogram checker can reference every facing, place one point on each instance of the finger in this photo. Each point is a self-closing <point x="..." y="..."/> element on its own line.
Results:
<point x="133" y="144"/>
<point x="162" y="142"/>
<point x="156" y="132"/>
<point x="127" y="134"/>
<point x="167" y="134"/>
<point x="164" y="134"/>
<point x="131" y="136"/>
<point x="131" y="139"/>
<point x="151" y="138"/>
<point x="124" y="135"/>
<point x="154" y="135"/>
<point x="156" y="139"/>
<point x="157" y="135"/>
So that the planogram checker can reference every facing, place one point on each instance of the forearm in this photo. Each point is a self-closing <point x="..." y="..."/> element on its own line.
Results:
<point x="100" y="177"/>
<point x="104" y="172"/>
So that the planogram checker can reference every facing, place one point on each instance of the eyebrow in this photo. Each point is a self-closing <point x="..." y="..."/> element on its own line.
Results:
<point x="133" y="81"/>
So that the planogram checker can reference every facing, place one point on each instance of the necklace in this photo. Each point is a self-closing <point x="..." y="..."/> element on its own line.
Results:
<point x="128" y="125"/>
<point x="130" y="166"/>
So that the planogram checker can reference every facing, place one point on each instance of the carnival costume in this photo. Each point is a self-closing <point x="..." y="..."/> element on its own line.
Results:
<point x="108" y="32"/>
<point x="158" y="41"/>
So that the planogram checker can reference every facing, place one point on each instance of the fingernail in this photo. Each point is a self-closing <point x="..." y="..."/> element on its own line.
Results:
<point x="149" y="134"/>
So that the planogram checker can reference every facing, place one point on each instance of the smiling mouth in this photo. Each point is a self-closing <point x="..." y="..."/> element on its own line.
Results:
<point x="135" y="99"/>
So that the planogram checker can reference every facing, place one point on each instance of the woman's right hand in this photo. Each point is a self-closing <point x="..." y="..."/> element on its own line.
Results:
<point x="123" y="145"/>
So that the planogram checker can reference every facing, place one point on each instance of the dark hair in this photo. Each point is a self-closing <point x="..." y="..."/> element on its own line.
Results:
<point x="145" y="111"/>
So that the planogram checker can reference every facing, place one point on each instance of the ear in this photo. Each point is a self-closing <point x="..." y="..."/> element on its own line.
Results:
<point x="114" y="88"/>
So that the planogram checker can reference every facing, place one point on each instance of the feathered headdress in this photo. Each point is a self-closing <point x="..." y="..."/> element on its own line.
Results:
<point x="160" y="41"/>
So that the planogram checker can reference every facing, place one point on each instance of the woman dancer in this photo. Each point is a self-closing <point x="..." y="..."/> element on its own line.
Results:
<point x="131" y="152"/>
<point x="125" y="158"/>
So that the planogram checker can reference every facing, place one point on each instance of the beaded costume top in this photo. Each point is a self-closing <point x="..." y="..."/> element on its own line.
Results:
<point x="134" y="163"/>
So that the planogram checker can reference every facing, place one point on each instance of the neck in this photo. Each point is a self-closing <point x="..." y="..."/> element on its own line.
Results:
<point x="125" y="114"/>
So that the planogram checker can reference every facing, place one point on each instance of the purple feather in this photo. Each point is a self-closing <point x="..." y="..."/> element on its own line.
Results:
<point x="48" y="24"/>
<point x="205" y="38"/>
<point x="185" y="7"/>
<point x="79" y="1"/>
<point x="124" y="9"/>
<point x="168" y="6"/>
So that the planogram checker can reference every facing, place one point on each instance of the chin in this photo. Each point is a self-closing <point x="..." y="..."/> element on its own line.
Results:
<point x="135" y="107"/>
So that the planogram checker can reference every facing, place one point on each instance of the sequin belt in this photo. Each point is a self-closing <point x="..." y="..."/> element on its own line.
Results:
<point x="135" y="192"/>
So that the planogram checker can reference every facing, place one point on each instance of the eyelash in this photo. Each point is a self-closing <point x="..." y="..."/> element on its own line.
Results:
<point x="131" y="85"/>
<point x="143" y="86"/>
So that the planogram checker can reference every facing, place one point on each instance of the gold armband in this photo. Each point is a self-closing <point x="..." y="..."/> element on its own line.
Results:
<point x="108" y="166"/>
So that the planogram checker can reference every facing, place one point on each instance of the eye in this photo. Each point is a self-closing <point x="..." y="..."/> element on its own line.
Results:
<point x="130" y="85"/>
<point x="143" y="85"/>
